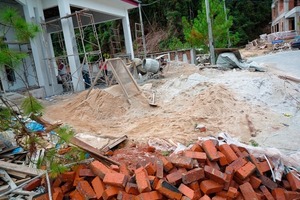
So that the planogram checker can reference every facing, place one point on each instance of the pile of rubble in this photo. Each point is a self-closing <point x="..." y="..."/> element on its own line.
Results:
<point x="206" y="170"/>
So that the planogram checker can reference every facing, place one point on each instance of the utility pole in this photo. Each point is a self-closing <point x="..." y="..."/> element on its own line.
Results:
<point x="142" y="27"/>
<point x="226" y="19"/>
<point x="210" y="34"/>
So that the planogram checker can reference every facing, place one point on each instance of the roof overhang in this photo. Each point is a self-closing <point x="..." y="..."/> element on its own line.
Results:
<point x="132" y="2"/>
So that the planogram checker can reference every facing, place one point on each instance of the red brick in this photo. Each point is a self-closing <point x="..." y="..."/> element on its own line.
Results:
<point x="124" y="170"/>
<point x="266" y="192"/>
<point x="213" y="164"/>
<point x="223" y="161"/>
<point x="99" y="169"/>
<point x="205" y="197"/>
<point x="260" y="195"/>
<point x="75" y="195"/>
<point x="115" y="179"/>
<point x="110" y="192"/>
<point x="57" y="182"/>
<point x="185" y="198"/>
<point x="150" y="168"/>
<point x="125" y="196"/>
<point x="228" y="152"/>
<point x="85" y="189"/>
<point x="98" y="186"/>
<point x="193" y="175"/>
<point x="278" y="194"/>
<point x="248" y="192"/>
<point x="168" y="190"/>
<point x="196" y="187"/>
<point x="256" y="163"/>
<point x="232" y="192"/>
<point x="200" y="156"/>
<point x="215" y="174"/>
<point x="222" y="194"/>
<point x="210" y="186"/>
<point x="186" y="191"/>
<point x="68" y="176"/>
<point x="67" y="186"/>
<point x="236" y="150"/>
<point x="210" y="150"/>
<point x="41" y="197"/>
<point x="151" y="149"/>
<point x="116" y="168"/>
<point x="57" y="194"/>
<point x="264" y="166"/>
<point x="159" y="169"/>
<point x="245" y="171"/>
<point x="131" y="188"/>
<point x="142" y="180"/>
<point x="218" y="198"/>
<point x="286" y="184"/>
<point x="181" y="161"/>
<point x="175" y="177"/>
<point x="153" y="195"/>
<point x="77" y="178"/>
<point x="294" y="181"/>
<point x="154" y="182"/>
<point x="291" y="195"/>
<point x="197" y="148"/>
<point x="237" y="164"/>
<point x="86" y="173"/>
<point x="33" y="184"/>
<point x="268" y="182"/>
<point x="255" y="182"/>
<point x="166" y="163"/>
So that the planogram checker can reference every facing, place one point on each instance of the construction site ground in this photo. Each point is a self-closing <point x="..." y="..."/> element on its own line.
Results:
<point x="254" y="107"/>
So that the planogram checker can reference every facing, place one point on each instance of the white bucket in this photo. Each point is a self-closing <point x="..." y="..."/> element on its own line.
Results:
<point x="151" y="65"/>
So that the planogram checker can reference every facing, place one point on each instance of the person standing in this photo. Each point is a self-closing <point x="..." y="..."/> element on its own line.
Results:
<point x="86" y="75"/>
<point x="62" y="72"/>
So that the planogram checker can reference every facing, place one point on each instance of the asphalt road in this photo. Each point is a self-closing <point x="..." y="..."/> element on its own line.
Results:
<point x="286" y="61"/>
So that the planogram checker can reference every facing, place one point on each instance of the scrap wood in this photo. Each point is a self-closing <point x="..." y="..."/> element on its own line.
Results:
<point x="115" y="143"/>
<point x="21" y="168"/>
<point x="290" y="78"/>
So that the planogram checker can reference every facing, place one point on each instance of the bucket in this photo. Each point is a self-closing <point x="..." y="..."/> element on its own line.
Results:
<point x="151" y="65"/>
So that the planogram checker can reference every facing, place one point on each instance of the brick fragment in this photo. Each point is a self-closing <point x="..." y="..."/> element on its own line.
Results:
<point x="228" y="152"/>
<point x="245" y="171"/>
<point x="236" y="150"/>
<point x="213" y="164"/>
<point x="33" y="184"/>
<point x="76" y="195"/>
<point x="99" y="169"/>
<point x="125" y="196"/>
<point x="232" y="192"/>
<point x="193" y="175"/>
<point x="196" y="187"/>
<point x="98" y="186"/>
<point x="124" y="170"/>
<point x="264" y="166"/>
<point x="223" y="160"/>
<point x="256" y="163"/>
<point x="278" y="193"/>
<point x="268" y="182"/>
<point x="110" y="192"/>
<point x="181" y="161"/>
<point x="218" y="198"/>
<point x="266" y="193"/>
<point x="215" y="174"/>
<point x="159" y="169"/>
<point x="168" y="190"/>
<point x="248" y="192"/>
<point x="151" y="149"/>
<point x="150" y="168"/>
<point x="210" y="186"/>
<point x="205" y="197"/>
<point x="77" y="178"/>
<point x="286" y="184"/>
<point x="115" y="179"/>
<point x="67" y="186"/>
<point x="68" y="176"/>
<point x="153" y="195"/>
<point x="57" y="182"/>
<point x="255" y="182"/>
<point x="85" y="189"/>
<point x="115" y="168"/>
<point x="175" y="177"/>
<point x="166" y="163"/>
<point x="57" y="194"/>
<point x="142" y="180"/>
<point x="44" y="196"/>
<point x="210" y="150"/>
<point x="293" y="180"/>
<point x="200" y="156"/>
<point x="291" y="195"/>
<point x="187" y="191"/>
<point x="197" y="148"/>
<point x="237" y="164"/>
<point x="131" y="188"/>
<point x="86" y="173"/>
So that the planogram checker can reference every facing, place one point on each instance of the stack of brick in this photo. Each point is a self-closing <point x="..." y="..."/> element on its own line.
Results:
<point x="205" y="171"/>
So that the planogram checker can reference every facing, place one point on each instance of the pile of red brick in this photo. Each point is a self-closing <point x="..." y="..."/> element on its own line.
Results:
<point x="206" y="171"/>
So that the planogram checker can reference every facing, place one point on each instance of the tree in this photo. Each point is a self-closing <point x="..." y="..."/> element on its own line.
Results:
<point x="196" y="31"/>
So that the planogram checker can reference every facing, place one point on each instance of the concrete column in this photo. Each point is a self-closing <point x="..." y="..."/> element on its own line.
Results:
<point x="71" y="47"/>
<point x="296" y="21"/>
<point x="127" y="35"/>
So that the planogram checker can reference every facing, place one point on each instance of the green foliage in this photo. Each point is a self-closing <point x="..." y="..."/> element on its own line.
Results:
<point x="172" y="43"/>
<point x="31" y="105"/>
<point x="5" y="118"/>
<point x="196" y="31"/>
<point x="56" y="169"/>
<point x="254" y="143"/>
<point x="65" y="133"/>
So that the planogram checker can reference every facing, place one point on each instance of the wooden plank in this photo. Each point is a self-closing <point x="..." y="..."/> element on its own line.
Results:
<point x="16" y="174"/>
<point x="21" y="168"/>
<point x="19" y="182"/>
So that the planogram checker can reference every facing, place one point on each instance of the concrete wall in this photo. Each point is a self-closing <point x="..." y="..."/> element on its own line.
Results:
<point x="186" y="55"/>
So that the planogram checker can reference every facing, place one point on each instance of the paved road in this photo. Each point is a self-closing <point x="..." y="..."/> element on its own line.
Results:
<point x="287" y="61"/>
